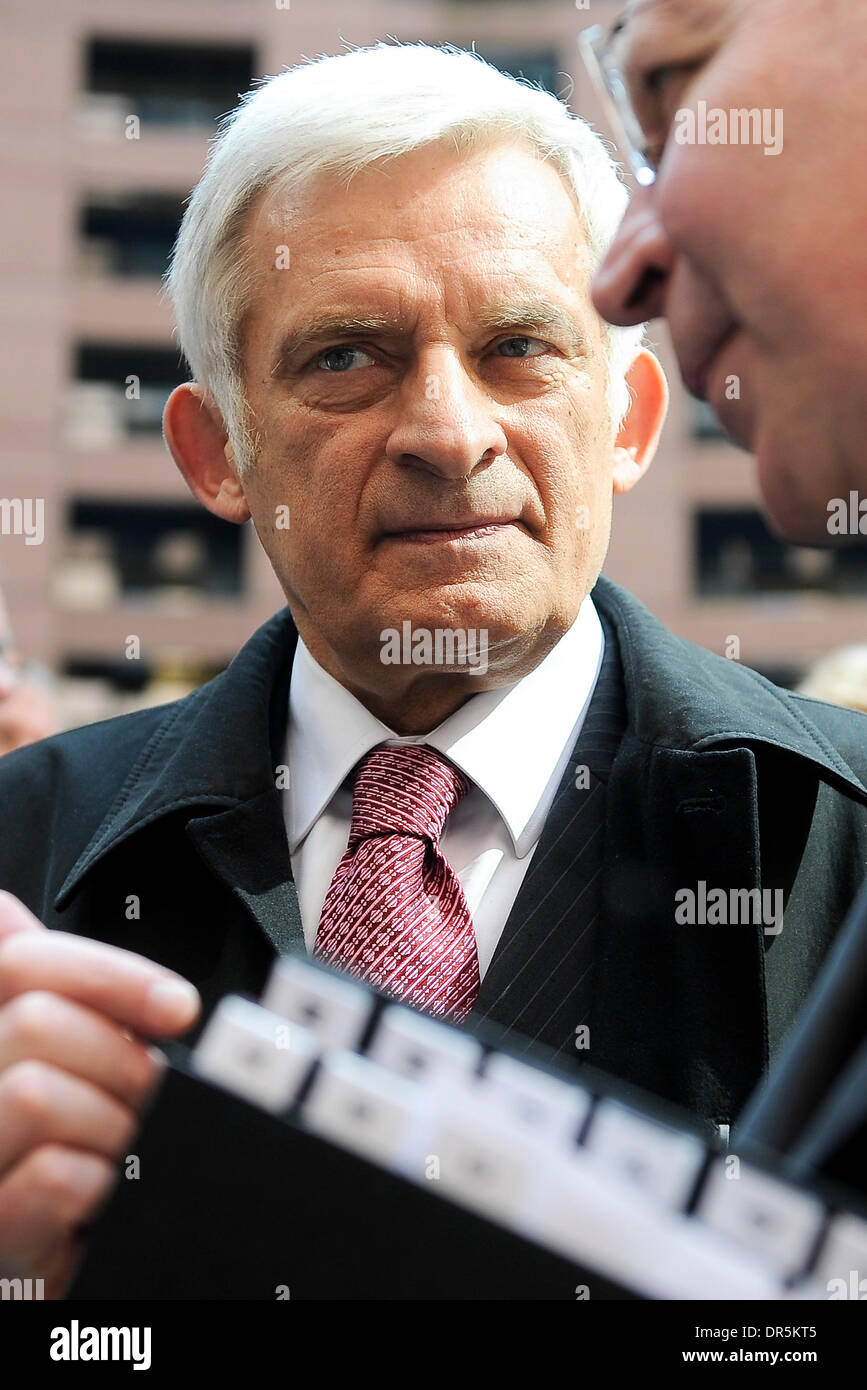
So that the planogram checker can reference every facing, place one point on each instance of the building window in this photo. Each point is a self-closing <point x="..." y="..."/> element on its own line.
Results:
<point x="176" y="84"/>
<point x="122" y="550"/>
<point x="736" y="555"/>
<point x="92" y="687"/>
<point x="119" y="392"/>
<point x="534" y="65"/>
<point x="705" y="424"/>
<point x="129" y="233"/>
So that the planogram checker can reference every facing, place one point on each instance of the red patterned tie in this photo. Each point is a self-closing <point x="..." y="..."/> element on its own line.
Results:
<point x="395" y="912"/>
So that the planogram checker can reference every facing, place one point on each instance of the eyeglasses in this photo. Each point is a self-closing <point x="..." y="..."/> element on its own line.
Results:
<point x="614" y="94"/>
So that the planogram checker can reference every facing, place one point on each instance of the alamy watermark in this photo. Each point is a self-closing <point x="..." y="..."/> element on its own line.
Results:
<point x="737" y="126"/>
<point x="22" y="1290"/>
<point x="855" y="1287"/>
<point x="847" y="516"/>
<point x="23" y="516"/>
<point x="439" y="646"/>
<point x="733" y="907"/>
<point x="77" y="1343"/>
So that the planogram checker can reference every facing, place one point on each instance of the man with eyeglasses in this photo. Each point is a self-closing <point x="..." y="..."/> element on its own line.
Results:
<point x="754" y="250"/>
<point x="752" y="247"/>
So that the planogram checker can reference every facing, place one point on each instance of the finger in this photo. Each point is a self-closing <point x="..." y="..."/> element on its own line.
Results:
<point x="47" y="1027"/>
<point x="58" y="1269"/>
<point x="15" y="917"/>
<point x="43" y="1202"/>
<point x="134" y="991"/>
<point x="39" y="1104"/>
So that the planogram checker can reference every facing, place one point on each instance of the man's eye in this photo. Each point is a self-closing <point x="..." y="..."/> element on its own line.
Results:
<point x="522" y="344"/>
<point x="657" y="78"/>
<point x="668" y="82"/>
<point x="341" y="353"/>
<point x="655" y="103"/>
<point x="341" y="359"/>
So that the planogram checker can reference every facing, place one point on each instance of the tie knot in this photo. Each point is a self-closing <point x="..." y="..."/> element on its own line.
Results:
<point x="406" y="789"/>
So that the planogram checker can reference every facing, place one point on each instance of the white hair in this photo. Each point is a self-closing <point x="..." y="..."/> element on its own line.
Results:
<point x="337" y="114"/>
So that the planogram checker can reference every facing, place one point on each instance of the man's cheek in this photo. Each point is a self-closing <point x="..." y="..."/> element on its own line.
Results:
<point x="319" y="554"/>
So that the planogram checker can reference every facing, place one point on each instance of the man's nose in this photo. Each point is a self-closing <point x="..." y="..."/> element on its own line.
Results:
<point x="446" y="426"/>
<point x="631" y="283"/>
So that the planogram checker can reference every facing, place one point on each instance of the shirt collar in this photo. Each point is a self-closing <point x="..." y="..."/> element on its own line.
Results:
<point x="510" y="741"/>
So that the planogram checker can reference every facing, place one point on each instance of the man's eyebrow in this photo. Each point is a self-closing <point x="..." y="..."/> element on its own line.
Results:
<point x="629" y="14"/>
<point x="534" y="313"/>
<point x="328" y="327"/>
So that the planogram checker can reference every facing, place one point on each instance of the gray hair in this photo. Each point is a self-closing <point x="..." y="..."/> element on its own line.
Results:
<point x="338" y="114"/>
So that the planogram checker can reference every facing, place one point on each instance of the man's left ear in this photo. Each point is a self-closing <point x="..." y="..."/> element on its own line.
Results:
<point x="639" y="434"/>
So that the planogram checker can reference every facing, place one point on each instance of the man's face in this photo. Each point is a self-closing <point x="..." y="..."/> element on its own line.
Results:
<point x="448" y="462"/>
<point x="757" y="260"/>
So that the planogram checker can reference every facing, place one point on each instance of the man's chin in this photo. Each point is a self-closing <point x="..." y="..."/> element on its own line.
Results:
<point x="794" y="505"/>
<point x="736" y="414"/>
<point x="453" y="638"/>
<point x="786" y="469"/>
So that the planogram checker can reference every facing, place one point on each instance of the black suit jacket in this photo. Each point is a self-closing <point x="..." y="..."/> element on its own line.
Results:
<point x="161" y="831"/>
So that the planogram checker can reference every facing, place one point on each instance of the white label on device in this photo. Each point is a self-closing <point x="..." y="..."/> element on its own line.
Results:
<point x="254" y="1053"/>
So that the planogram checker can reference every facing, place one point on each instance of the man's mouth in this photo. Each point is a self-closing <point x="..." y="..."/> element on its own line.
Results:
<point x="457" y="529"/>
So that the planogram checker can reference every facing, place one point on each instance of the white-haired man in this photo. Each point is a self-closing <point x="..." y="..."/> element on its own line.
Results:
<point x="399" y="376"/>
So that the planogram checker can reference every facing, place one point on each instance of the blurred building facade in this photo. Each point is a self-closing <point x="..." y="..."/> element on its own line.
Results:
<point x="135" y="593"/>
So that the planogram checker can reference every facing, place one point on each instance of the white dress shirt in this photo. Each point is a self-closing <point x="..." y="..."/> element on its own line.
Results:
<point x="513" y="743"/>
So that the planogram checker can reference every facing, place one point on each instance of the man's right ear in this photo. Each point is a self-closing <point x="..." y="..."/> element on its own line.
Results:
<point x="195" y="433"/>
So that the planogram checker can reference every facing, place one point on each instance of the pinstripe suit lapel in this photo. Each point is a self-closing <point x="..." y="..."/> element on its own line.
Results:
<point x="540" y="980"/>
